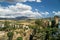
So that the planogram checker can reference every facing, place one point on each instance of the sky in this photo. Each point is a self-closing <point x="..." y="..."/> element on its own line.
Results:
<point x="29" y="8"/>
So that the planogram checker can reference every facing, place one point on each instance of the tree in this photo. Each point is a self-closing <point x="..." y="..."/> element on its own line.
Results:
<point x="38" y="22"/>
<point x="53" y="23"/>
<point x="10" y="35"/>
<point x="51" y="34"/>
<point x="6" y="25"/>
<point x="58" y="36"/>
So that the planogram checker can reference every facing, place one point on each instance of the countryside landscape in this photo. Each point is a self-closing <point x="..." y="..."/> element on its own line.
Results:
<point x="30" y="29"/>
<point x="29" y="19"/>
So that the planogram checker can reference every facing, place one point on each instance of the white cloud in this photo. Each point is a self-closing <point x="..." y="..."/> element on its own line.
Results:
<point x="31" y="0"/>
<point x="38" y="0"/>
<point x="56" y="13"/>
<point x="19" y="9"/>
<point x="20" y="0"/>
<point x="45" y="13"/>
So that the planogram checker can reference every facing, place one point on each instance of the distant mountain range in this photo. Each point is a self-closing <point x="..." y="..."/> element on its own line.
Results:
<point x="23" y="18"/>
<point x="17" y="18"/>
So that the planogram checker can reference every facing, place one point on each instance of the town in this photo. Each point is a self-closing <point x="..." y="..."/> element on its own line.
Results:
<point x="34" y="29"/>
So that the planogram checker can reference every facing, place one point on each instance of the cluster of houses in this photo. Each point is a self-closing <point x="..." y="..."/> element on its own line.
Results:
<point x="14" y="24"/>
<point x="46" y="22"/>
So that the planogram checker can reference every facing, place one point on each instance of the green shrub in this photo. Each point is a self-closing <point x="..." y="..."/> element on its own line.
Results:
<point x="19" y="38"/>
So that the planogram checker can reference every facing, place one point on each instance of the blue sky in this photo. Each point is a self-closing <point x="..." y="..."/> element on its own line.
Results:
<point x="45" y="8"/>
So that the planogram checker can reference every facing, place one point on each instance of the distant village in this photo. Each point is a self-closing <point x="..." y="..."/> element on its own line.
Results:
<point x="20" y="27"/>
<point x="45" y="21"/>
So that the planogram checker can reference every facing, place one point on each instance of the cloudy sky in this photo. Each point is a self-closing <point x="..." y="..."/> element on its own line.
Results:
<point x="29" y="8"/>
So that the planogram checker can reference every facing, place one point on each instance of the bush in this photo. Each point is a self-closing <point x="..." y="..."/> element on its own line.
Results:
<point x="19" y="38"/>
